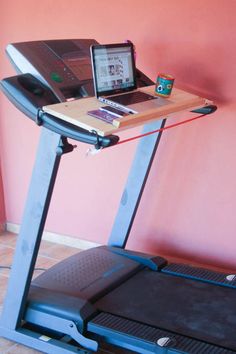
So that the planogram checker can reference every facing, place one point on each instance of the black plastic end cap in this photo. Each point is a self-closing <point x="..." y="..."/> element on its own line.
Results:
<point x="206" y="109"/>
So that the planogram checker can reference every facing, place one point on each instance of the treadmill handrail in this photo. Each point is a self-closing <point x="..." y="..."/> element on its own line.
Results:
<point x="29" y="95"/>
<point x="71" y="131"/>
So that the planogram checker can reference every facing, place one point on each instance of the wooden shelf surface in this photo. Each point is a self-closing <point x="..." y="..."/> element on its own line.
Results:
<point x="75" y="111"/>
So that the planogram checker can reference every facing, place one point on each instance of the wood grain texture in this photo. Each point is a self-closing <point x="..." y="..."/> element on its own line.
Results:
<point x="75" y="112"/>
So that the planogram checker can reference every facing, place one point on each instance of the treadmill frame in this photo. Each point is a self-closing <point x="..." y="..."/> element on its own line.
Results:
<point x="52" y="145"/>
<point x="51" y="148"/>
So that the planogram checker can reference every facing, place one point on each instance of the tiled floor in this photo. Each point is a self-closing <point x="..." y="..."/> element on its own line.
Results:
<point x="50" y="253"/>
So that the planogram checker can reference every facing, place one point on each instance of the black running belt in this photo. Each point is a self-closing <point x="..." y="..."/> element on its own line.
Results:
<point x="193" y="308"/>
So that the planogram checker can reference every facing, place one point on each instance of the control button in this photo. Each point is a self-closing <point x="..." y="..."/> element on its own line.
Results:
<point x="56" y="77"/>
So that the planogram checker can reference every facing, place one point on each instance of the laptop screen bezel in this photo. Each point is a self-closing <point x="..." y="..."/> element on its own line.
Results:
<point x="116" y="90"/>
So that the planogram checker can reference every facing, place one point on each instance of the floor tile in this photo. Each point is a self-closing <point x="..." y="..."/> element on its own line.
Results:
<point x="5" y="345"/>
<point x="8" y="238"/>
<point x="3" y="286"/>
<point x="6" y="254"/>
<point x="20" y="349"/>
<point x="53" y="250"/>
<point x="45" y="262"/>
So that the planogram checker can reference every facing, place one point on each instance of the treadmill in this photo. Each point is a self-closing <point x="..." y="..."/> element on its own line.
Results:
<point x="108" y="294"/>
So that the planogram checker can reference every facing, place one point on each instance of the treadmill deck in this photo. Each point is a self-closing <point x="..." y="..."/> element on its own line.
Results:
<point x="192" y="308"/>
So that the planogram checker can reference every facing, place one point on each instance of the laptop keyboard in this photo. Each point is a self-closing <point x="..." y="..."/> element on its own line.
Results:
<point x="131" y="98"/>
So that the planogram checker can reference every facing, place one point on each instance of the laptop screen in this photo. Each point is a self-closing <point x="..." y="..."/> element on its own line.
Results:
<point x="113" y="68"/>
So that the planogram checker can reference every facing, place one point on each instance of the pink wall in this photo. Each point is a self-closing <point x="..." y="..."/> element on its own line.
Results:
<point x="2" y="206"/>
<point x="188" y="205"/>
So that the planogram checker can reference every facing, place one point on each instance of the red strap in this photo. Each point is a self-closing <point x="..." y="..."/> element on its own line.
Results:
<point x="161" y="129"/>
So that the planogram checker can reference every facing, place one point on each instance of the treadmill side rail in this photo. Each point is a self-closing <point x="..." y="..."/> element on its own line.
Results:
<point x="203" y="274"/>
<point x="61" y="325"/>
<point x="155" y="263"/>
<point x="39" y="342"/>
<point x="145" y="339"/>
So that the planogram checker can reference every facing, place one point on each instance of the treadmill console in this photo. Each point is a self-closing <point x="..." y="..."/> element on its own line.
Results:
<point x="52" y="71"/>
<point x="63" y="65"/>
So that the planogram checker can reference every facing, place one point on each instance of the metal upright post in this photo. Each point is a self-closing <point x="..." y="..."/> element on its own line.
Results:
<point x="135" y="184"/>
<point x="39" y="196"/>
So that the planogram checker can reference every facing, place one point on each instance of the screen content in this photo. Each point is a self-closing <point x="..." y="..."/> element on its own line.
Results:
<point x="113" y="68"/>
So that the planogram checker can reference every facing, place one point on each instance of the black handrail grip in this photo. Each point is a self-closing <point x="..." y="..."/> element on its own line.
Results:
<point x="28" y="94"/>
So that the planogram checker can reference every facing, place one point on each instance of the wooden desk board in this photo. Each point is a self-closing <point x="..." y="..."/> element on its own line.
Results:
<point x="75" y="112"/>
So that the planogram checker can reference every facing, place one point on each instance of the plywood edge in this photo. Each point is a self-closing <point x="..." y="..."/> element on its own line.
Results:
<point x="158" y="113"/>
<point x="85" y="122"/>
<point x="76" y="112"/>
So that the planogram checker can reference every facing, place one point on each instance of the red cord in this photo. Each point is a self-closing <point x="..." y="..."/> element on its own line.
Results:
<point x="161" y="129"/>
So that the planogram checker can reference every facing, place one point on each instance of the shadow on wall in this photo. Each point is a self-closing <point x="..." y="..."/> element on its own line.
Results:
<point x="200" y="70"/>
<point x="204" y="83"/>
<point x="176" y="255"/>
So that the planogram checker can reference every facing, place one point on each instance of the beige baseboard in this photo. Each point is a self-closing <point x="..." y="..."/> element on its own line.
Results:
<point x="57" y="238"/>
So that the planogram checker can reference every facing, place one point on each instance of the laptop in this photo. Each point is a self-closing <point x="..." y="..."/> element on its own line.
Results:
<point x="114" y="77"/>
